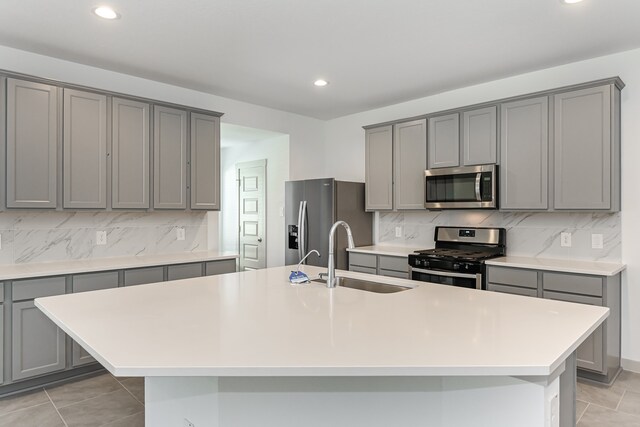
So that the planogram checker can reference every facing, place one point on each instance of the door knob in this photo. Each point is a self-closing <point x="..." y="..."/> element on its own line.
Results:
<point x="259" y="239"/>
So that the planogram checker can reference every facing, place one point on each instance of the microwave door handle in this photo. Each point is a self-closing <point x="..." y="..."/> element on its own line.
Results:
<point x="478" y="193"/>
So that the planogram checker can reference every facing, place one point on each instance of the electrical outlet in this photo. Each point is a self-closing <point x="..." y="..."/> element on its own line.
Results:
<point x="180" y="233"/>
<point x="101" y="238"/>
<point x="282" y="211"/>
<point x="398" y="231"/>
<point x="188" y="423"/>
<point x="565" y="240"/>
<point x="597" y="241"/>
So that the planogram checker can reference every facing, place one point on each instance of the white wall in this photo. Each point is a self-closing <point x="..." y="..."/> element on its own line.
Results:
<point x="276" y="151"/>
<point x="346" y="137"/>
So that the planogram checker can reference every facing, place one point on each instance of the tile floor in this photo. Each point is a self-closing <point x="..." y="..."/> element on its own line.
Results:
<point x="101" y="400"/>
<point x="104" y="400"/>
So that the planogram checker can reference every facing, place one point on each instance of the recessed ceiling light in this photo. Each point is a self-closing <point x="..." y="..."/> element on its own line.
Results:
<point x="320" y="83"/>
<point x="106" y="12"/>
<point x="570" y="1"/>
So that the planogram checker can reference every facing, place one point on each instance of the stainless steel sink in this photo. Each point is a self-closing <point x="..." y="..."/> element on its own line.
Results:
<point x="365" y="285"/>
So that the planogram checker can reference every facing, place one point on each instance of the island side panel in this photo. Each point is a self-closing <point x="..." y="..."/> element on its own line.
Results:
<point x="350" y="401"/>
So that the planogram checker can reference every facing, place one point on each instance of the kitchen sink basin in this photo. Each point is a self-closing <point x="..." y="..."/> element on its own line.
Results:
<point x="365" y="285"/>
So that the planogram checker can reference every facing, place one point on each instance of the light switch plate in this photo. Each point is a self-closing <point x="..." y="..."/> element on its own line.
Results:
<point x="565" y="240"/>
<point x="101" y="238"/>
<point x="180" y="233"/>
<point x="398" y="231"/>
<point x="597" y="241"/>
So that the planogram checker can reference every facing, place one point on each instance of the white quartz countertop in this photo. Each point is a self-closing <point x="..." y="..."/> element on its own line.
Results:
<point x="255" y="323"/>
<point x="398" y="251"/>
<point x="22" y="271"/>
<point x="561" y="265"/>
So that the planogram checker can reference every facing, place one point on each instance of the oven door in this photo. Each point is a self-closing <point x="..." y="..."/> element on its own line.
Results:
<point x="472" y="281"/>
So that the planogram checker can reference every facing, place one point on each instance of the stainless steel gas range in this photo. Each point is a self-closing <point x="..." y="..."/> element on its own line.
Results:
<point x="459" y="256"/>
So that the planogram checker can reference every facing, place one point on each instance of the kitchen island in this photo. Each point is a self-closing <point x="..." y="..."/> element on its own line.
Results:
<point x="250" y="349"/>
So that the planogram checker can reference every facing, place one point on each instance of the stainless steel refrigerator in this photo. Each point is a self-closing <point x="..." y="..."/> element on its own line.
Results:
<point x="311" y="208"/>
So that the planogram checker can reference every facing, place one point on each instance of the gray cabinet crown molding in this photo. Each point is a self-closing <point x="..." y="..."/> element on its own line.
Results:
<point x="615" y="81"/>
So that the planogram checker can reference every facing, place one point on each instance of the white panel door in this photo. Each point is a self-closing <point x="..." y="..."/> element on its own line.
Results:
<point x="252" y="214"/>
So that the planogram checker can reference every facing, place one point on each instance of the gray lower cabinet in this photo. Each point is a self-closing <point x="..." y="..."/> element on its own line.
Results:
<point x="169" y="158"/>
<point x="379" y="168"/>
<point x="142" y="276"/>
<point x="410" y="161"/>
<point x="184" y="271"/>
<point x="585" y="150"/>
<point x="205" y="162"/>
<point x="524" y="146"/>
<point x="212" y="268"/>
<point x="598" y="357"/>
<point x="444" y="141"/>
<point x="479" y="136"/>
<point x="32" y="144"/>
<point x="1" y="342"/>
<point x="37" y="344"/>
<point x="84" y="283"/>
<point x="130" y="161"/>
<point x="382" y="265"/>
<point x="84" y="150"/>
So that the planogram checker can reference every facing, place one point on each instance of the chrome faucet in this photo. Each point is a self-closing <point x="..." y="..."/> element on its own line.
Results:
<point x="331" y="264"/>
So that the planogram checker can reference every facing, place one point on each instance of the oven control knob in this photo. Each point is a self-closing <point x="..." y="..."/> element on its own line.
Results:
<point x="456" y="266"/>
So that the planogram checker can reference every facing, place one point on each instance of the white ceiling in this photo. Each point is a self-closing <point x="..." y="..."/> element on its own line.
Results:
<point x="373" y="52"/>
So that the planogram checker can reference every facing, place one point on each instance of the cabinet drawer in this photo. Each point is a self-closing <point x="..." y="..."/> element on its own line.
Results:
<point x="185" y="271"/>
<point x="95" y="281"/>
<point x="512" y="276"/>
<point x="358" y="269"/>
<point x="394" y="273"/>
<point x="572" y="283"/>
<point x="220" y="267"/>
<point x="582" y="299"/>
<point x="362" y="260"/>
<point x="393" y="263"/>
<point x="141" y="276"/>
<point x="515" y="290"/>
<point x="35" y="288"/>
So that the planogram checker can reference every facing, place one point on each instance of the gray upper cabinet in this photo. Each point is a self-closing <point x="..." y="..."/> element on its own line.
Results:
<point x="205" y="162"/>
<point x="524" y="146"/>
<point x="410" y="157"/>
<point x="583" y="149"/>
<point x="444" y="141"/>
<point x="479" y="136"/>
<point x="130" y="161"/>
<point x="32" y="144"/>
<point x="379" y="168"/>
<point x="85" y="150"/>
<point x="169" y="158"/>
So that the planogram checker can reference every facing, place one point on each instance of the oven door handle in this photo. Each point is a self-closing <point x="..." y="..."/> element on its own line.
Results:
<point x="444" y="273"/>
<point x="478" y="180"/>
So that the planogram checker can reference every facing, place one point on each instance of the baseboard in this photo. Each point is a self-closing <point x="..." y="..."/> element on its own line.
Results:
<point x="630" y="365"/>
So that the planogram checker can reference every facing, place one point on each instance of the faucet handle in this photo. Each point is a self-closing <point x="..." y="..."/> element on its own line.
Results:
<point x="323" y="275"/>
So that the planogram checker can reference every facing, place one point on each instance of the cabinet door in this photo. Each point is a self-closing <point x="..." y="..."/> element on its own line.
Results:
<point x="410" y="156"/>
<point x="444" y="141"/>
<point x="582" y="149"/>
<point x="38" y="345"/>
<point x="590" y="354"/>
<point x="1" y="343"/>
<point x="85" y="150"/>
<point x="205" y="162"/>
<point x="32" y="141"/>
<point x="479" y="141"/>
<point x="130" y="161"/>
<point x="524" y="148"/>
<point x="169" y="158"/>
<point x="379" y="168"/>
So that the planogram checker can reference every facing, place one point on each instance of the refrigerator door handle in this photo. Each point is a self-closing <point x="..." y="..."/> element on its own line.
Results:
<point x="300" y="238"/>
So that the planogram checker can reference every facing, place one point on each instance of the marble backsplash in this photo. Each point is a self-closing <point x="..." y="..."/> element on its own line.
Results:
<point x="528" y="234"/>
<point x="40" y="236"/>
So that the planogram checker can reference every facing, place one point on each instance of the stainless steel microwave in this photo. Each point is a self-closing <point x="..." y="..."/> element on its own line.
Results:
<point x="468" y="187"/>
